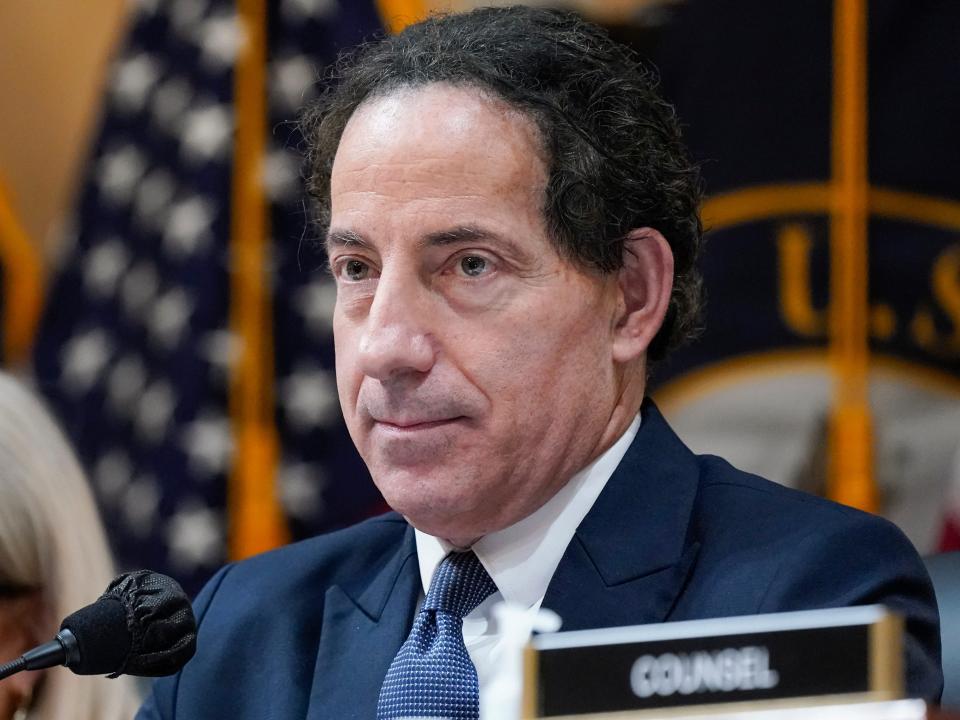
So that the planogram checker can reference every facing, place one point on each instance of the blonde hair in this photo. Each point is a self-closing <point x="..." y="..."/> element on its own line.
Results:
<point x="51" y="538"/>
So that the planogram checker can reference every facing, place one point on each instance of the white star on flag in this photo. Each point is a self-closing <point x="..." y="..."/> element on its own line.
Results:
<point x="195" y="536"/>
<point x="125" y="384"/>
<point x="310" y="398"/>
<point x="84" y="357"/>
<point x="316" y="302"/>
<point x="300" y="10"/>
<point x="281" y="175"/>
<point x="103" y="266"/>
<point x="185" y="15"/>
<point x="140" y="504"/>
<point x="220" y="39"/>
<point x="170" y="103"/>
<point x="188" y="226"/>
<point x="138" y="289"/>
<point x="301" y="490"/>
<point x="293" y="80"/>
<point x="208" y="442"/>
<point x="206" y="133"/>
<point x="133" y="80"/>
<point x="155" y="410"/>
<point x="153" y="197"/>
<point x="111" y="474"/>
<point x="221" y="349"/>
<point x="118" y="173"/>
<point x="169" y="316"/>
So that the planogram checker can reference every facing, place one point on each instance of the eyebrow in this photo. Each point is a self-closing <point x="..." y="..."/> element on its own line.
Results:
<point x="439" y="238"/>
<point x="462" y="234"/>
<point x="344" y="238"/>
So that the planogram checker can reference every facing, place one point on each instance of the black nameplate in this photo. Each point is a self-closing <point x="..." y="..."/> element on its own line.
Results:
<point x="790" y="655"/>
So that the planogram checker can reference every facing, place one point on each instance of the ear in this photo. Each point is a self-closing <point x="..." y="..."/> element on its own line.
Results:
<point x="645" y="283"/>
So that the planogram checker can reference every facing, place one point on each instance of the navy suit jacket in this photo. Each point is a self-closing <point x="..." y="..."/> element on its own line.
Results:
<point x="308" y="631"/>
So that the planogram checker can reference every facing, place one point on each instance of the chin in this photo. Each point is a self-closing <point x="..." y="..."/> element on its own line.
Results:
<point x="436" y="509"/>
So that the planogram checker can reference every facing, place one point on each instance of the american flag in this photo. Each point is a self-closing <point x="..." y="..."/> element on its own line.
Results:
<point x="135" y="349"/>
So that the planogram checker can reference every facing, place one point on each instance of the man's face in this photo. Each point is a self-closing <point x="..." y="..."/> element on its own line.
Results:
<point x="473" y="363"/>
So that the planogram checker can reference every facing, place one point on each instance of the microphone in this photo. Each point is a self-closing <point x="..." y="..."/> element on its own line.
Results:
<point x="142" y="625"/>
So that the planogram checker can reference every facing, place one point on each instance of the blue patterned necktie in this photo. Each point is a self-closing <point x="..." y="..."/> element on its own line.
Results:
<point x="432" y="675"/>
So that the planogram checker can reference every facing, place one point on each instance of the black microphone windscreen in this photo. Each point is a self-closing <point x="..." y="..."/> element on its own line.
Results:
<point x="102" y="636"/>
<point x="144" y="618"/>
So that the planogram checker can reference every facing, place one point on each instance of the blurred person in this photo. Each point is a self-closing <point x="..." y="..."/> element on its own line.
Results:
<point x="54" y="560"/>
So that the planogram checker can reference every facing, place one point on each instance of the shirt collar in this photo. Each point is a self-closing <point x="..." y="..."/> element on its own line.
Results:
<point x="522" y="558"/>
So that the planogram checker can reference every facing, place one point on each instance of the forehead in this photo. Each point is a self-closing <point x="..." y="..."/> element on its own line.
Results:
<point x="437" y="143"/>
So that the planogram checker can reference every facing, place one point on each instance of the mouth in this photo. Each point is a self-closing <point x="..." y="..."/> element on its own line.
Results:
<point x="411" y="426"/>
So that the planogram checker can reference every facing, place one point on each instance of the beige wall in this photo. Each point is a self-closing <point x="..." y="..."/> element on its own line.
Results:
<point x="53" y="56"/>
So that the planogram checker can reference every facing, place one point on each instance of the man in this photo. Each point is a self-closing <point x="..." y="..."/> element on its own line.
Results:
<point x="512" y="223"/>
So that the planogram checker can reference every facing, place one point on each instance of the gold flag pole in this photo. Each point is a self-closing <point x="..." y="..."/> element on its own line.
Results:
<point x="397" y="14"/>
<point x="256" y="522"/>
<point x="850" y="471"/>
<point x="23" y="282"/>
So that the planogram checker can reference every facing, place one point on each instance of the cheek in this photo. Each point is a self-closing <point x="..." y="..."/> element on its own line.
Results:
<point x="554" y="359"/>
<point x="348" y="379"/>
<point x="565" y="333"/>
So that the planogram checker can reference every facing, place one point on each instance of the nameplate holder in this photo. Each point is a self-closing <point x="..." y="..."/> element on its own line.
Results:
<point x="854" y="652"/>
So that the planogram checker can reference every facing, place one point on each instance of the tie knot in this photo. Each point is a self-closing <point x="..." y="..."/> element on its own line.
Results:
<point x="459" y="585"/>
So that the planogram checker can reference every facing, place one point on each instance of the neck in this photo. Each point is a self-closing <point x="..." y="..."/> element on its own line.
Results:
<point x="633" y="385"/>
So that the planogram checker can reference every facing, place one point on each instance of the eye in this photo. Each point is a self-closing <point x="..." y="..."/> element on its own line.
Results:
<point x="473" y="265"/>
<point x="355" y="270"/>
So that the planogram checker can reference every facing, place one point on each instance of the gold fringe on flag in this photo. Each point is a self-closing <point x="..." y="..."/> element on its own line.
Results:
<point x="256" y="521"/>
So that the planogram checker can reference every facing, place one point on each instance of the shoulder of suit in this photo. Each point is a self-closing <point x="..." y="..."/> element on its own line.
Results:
<point x="751" y="531"/>
<point x="728" y="493"/>
<point x="325" y="559"/>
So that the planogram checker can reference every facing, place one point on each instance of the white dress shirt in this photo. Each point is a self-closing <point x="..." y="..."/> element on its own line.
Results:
<point x="522" y="558"/>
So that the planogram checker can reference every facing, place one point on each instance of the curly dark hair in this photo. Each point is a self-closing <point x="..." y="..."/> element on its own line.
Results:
<point x="616" y="159"/>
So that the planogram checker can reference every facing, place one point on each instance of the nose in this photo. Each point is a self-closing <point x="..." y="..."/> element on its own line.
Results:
<point x="396" y="339"/>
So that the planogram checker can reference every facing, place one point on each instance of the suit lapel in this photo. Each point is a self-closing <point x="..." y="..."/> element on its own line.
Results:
<point x="630" y="556"/>
<point x="363" y="627"/>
